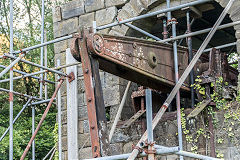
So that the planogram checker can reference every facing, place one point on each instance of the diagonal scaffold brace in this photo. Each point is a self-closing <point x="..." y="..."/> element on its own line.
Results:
<point x="42" y="119"/>
<point x="173" y="93"/>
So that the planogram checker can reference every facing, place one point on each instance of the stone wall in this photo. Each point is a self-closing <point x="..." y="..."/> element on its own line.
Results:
<point x="76" y="14"/>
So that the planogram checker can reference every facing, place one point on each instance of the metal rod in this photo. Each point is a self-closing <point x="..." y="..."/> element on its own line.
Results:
<point x="165" y="150"/>
<point x="45" y="64"/>
<point x="24" y="76"/>
<point x="40" y="102"/>
<point x="220" y="47"/>
<point x="44" y="44"/>
<point x="11" y="64"/>
<point x="51" y="157"/>
<point x="11" y="84"/>
<point x="142" y="31"/>
<point x="180" y="42"/>
<point x="200" y="32"/>
<point x="175" y="52"/>
<point x="165" y="32"/>
<point x="33" y="129"/>
<point x="19" y="94"/>
<point x="149" y="122"/>
<point x="24" y="73"/>
<point x="15" y="119"/>
<point x="190" y="54"/>
<point x="59" y="104"/>
<point x="193" y="155"/>
<point x="49" y="153"/>
<point x="183" y="77"/>
<point x="153" y="14"/>
<point x="37" y="65"/>
<point x="119" y="111"/>
<point x="42" y="119"/>
<point x="41" y="56"/>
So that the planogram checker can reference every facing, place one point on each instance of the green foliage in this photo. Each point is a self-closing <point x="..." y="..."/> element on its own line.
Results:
<point x="27" y="27"/>
<point x="225" y="127"/>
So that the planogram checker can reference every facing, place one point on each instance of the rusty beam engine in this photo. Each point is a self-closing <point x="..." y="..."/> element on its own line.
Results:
<point x="145" y="62"/>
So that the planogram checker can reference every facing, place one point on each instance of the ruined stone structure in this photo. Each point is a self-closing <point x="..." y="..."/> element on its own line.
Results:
<point x="81" y="13"/>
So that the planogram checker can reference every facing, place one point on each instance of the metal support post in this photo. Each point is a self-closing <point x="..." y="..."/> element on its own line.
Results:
<point x="59" y="104"/>
<point x="165" y="32"/>
<point x="41" y="56"/>
<point x="149" y="124"/>
<point x="42" y="119"/>
<point x="119" y="111"/>
<point x="183" y="77"/>
<point x="15" y="119"/>
<point x="190" y="52"/>
<point x="11" y="85"/>
<point x="174" y="34"/>
<point x="33" y="129"/>
<point x="45" y="64"/>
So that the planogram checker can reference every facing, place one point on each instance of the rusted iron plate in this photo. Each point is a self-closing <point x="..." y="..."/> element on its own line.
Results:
<point x="141" y="61"/>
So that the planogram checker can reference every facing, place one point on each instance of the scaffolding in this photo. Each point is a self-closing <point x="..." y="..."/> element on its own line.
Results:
<point x="151" y="124"/>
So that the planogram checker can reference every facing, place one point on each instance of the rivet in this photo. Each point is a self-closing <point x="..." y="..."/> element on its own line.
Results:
<point x="89" y="99"/>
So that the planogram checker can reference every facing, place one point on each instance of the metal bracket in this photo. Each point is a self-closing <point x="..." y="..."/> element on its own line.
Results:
<point x="71" y="77"/>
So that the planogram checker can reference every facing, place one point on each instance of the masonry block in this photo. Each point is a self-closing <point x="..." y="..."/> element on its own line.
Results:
<point x="93" y="5"/>
<point x="85" y="153"/>
<point x="86" y="20"/>
<point x="64" y="117"/>
<point x="84" y="139"/>
<point x="60" y="46"/>
<point x="72" y="9"/>
<point x="82" y="113"/>
<point x="64" y="130"/>
<point x="57" y="16"/>
<point x="238" y="46"/>
<point x="116" y="149"/>
<point x="138" y="6"/>
<point x="110" y="3"/>
<point x="66" y="27"/>
<point x="106" y="16"/>
<point x="64" y="143"/>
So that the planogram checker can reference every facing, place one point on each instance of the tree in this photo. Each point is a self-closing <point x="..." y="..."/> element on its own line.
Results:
<point x="27" y="25"/>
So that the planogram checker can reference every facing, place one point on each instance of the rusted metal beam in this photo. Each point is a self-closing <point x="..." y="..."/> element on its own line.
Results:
<point x="100" y="108"/>
<point x="89" y="90"/>
<point x="144" y="62"/>
<point x="42" y="119"/>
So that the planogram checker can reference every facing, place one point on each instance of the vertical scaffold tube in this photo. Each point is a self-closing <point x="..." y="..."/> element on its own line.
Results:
<point x="11" y="86"/>
<point x="190" y="52"/>
<point x="59" y="104"/>
<point x="33" y="129"/>
<point x="173" y="21"/>
<point x="42" y="49"/>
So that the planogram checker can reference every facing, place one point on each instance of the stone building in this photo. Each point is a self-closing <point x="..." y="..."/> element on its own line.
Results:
<point x="76" y="14"/>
